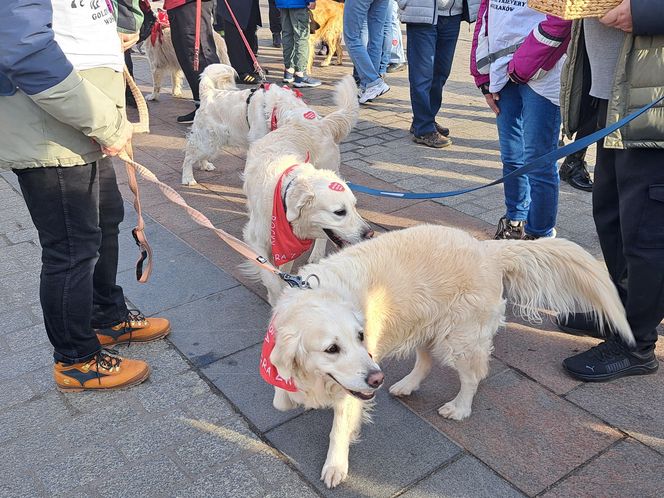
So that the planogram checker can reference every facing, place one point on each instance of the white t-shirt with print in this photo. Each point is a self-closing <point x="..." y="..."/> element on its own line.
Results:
<point x="86" y="32"/>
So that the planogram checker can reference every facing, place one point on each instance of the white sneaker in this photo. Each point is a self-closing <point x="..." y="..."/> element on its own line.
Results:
<point x="372" y="92"/>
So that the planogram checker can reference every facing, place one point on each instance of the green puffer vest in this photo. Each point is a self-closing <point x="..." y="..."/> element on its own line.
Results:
<point x="638" y="81"/>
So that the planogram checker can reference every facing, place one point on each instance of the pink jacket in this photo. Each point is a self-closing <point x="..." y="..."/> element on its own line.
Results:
<point x="539" y="51"/>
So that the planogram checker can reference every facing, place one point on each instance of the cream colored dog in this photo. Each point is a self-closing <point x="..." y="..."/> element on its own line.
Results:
<point x="229" y="117"/>
<point x="431" y="289"/>
<point x="162" y="58"/>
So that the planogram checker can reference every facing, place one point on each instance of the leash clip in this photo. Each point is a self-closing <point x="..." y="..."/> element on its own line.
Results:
<point x="294" y="280"/>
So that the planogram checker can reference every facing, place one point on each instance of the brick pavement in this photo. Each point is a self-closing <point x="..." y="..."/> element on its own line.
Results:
<point x="203" y="425"/>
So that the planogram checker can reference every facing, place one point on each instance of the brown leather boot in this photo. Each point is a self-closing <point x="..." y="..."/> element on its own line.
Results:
<point x="135" y="328"/>
<point x="105" y="371"/>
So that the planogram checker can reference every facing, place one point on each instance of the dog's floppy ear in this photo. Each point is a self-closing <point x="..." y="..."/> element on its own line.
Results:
<point x="284" y="356"/>
<point x="300" y="197"/>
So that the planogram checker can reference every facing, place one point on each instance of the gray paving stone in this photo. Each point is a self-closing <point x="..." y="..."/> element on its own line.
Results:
<point x="164" y="360"/>
<point x="626" y="469"/>
<point x="219" y="325"/>
<point x="14" y="392"/>
<point x="74" y="468"/>
<point x="175" y="281"/>
<point x="396" y="449"/>
<point x="17" y="319"/>
<point x="29" y="234"/>
<point x="209" y="407"/>
<point x="27" y="338"/>
<point x="157" y="476"/>
<point x="464" y="478"/>
<point x="19" y="486"/>
<point x="159" y="397"/>
<point x="22" y="362"/>
<point x="238" y="378"/>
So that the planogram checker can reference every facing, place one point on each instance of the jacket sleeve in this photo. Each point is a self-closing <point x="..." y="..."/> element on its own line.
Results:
<point x="481" y="26"/>
<point x="647" y="17"/>
<point x="128" y="15"/>
<point x="34" y="63"/>
<point x="541" y="49"/>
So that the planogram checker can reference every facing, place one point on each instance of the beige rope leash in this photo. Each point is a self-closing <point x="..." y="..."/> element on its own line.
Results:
<point x="143" y="126"/>
<point x="146" y="252"/>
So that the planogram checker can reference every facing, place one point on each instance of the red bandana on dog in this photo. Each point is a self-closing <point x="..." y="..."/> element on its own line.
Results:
<point x="285" y="245"/>
<point x="159" y="26"/>
<point x="267" y="369"/>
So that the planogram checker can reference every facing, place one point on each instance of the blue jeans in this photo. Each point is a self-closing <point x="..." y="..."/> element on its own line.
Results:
<point x="528" y="127"/>
<point x="77" y="211"/>
<point x="430" y="53"/>
<point x="366" y="59"/>
<point x="396" y="49"/>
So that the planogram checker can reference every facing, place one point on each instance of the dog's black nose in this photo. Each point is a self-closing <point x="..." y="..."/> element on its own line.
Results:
<point x="375" y="378"/>
<point x="368" y="233"/>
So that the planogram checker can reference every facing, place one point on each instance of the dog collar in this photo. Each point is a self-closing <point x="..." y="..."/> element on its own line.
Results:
<point x="267" y="370"/>
<point x="286" y="246"/>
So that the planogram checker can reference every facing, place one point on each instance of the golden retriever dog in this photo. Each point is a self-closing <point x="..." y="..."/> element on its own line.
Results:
<point x="433" y="290"/>
<point x="229" y="117"/>
<point x="161" y="56"/>
<point x="328" y="16"/>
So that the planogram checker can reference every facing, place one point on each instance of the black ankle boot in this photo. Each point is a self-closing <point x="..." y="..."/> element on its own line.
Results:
<point x="575" y="172"/>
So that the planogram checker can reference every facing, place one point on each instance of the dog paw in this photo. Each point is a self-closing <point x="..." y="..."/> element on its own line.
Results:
<point x="324" y="64"/>
<point x="177" y="94"/>
<point x="191" y="181"/>
<point x="403" y="388"/>
<point x="452" y="411"/>
<point x="153" y="96"/>
<point x="333" y="475"/>
<point x="207" y="166"/>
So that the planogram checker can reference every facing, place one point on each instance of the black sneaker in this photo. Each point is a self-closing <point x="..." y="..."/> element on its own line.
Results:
<point x="508" y="229"/>
<point x="580" y="324"/>
<point x="187" y="118"/>
<point x="610" y="360"/>
<point x="276" y="40"/>
<point x="575" y="172"/>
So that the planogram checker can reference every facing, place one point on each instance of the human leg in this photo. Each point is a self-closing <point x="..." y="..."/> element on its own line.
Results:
<point x="510" y="136"/>
<point x="397" y="55"/>
<point x="541" y="129"/>
<point x="377" y="26"/>
<point x="288" y="39"/>
<point x="421" y="52"/>
<point x="447" y="33"/>
<point x="355" y="15"/>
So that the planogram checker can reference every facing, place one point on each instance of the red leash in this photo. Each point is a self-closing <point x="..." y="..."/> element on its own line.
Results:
<point x="257" y="66"/>
<point x="197" y="37"/>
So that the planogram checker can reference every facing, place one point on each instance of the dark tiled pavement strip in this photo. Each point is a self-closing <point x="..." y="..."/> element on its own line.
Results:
<point x="203" y="425"/>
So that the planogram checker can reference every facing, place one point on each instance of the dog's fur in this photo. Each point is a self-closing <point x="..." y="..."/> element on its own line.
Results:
<point x="225" y="120"/>
<point x="328" y="16"/>
<point x="310" y="204"/>
<point x="431" y="289"/>
<point x="162" y="59"/>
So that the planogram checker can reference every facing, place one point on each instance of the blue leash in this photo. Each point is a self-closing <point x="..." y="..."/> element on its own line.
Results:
<point x="540" y="161"/>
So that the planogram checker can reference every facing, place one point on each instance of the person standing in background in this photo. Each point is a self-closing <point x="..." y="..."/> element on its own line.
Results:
<point x="275" y="24"/>
<point x="432" y="29"/>
<point x="248" y="15"/>
<point x="182" y="19"/>
<point x="397" y="58"/>
<point x="295" y="39"/>
<point x="366" y="57"/>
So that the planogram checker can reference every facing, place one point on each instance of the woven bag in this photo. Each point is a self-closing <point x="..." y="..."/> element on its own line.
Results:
<point x="574" y="9"/>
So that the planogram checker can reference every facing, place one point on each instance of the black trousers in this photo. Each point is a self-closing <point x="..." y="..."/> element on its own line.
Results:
<point x="628" y="208"/>
<point x="237" y="52"/>
<point x="77" y="211"/>
<point x="275" y="17"/>
<point x="183" y="33"/>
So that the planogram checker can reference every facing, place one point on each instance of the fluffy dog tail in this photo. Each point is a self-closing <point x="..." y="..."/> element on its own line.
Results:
<point x="340" y="122"/>
<point x="560" y="275"/>
<point x="216" y="77"/>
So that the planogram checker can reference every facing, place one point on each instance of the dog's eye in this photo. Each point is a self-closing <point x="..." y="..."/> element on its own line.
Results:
<point x="340" y="212"/>
<point x="360" y="336"/>
<point x="333" y="349"/>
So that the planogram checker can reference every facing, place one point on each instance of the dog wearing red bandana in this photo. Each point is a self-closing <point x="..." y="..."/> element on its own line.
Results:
<point x="294" y="204"/>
